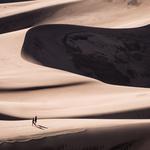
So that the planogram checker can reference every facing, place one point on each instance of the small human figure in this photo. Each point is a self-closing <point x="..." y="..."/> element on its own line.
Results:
<point x="35" y="120"/>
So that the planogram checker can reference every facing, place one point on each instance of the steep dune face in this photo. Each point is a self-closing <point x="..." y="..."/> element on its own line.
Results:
<point x="109" y="55"/>
<point x="27" y="88"/>
<point x="10" y="1"/>
<point x="39" y="10"/>
<point x="102" y="13"/>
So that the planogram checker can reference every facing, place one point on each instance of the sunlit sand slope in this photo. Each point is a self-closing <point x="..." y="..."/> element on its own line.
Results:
<point x="103" y="13"/>
<point x="75" y="134"/>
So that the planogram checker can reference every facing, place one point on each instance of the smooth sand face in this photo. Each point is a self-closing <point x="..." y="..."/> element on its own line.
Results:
<point x="115" y="14"/>
<point x="10" y="9"/>
<point x="28" y="89"/>
<point x="20" y="80"/>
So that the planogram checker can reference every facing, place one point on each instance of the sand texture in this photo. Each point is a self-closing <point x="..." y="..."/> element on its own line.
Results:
<point x="82" y="67"/>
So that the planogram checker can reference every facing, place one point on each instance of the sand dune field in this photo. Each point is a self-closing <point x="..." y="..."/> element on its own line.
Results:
<point x="82" y="67"/>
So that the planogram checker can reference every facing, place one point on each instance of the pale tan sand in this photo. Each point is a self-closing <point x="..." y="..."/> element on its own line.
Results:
<point x="116" y="14"/>
<point x="17" y="8"/>
<point x="65" y="94"/>
<point x="96" y="97"/>
<point x="112" y="14"/>
<point x="77" y="129"/>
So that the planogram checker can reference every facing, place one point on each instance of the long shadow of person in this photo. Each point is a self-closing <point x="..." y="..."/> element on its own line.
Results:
<point x="41" y="127"/>
<point x="34" y="122"/>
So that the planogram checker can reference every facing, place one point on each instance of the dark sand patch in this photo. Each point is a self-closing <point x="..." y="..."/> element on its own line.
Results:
<point x="8" y="117"/>
<point x="11" y="1"/>
<point x="130" y="114"/>
<point x="114" y="56"/>
<point x="116" y="138"/>
<point x="29" y="18"/>
<point x="34" y="88"/>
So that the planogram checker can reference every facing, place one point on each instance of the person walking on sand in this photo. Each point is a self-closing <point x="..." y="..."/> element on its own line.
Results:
<point x="35" y="120"/>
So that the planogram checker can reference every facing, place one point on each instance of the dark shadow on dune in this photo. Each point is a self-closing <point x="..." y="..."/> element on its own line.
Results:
<point x="134" y="2"/>
<point x="124" y="146"/>
<point x="11" y="1"/>
<point x="81" y="141"/>
<point x="26" y="89"/>
<point x="28" y="19"/>
<point x="114" y="56"/>
<point x="131" y="114"/>
<point x="41" y="127"/>
<point x="10" y="118"/>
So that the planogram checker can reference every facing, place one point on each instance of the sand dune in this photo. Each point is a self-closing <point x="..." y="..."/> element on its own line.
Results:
<point x="76" y="134"/>
<point x="39" y="10"/>
<point x="62" y="74"/>
<point x="104" y="13"/>
<point x="116" y="14"/>
<point x="112" y="56"/>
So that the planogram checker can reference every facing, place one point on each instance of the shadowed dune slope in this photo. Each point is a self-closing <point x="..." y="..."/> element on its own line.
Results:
<point x="76" y="134"/>
<point x="81" y="12"/>
<point x="37" y="88"/>
<point x="7" y="117"/>
<point x="131" y="114"/>
<point x="10" y="1"/>
<point x="116" y="56"/>
<point x="26" y="88"/>
<point x="25" y="19"/>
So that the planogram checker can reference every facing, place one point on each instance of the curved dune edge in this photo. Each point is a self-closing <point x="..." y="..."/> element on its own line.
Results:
<point x="81" y="12"/>
<point x="4" y="117"/>
<point x="39" y="10"/>
<point x="80" y="133"/>
<point x="19" y="73"/>
<point x="95" y="104"/>
<point x="10" y="1"/>
<point x="114" y="56"/>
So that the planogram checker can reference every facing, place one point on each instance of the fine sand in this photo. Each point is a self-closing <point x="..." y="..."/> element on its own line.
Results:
<point x="82" y="67"/>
